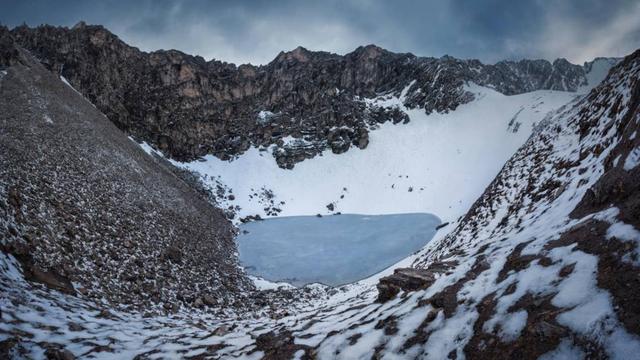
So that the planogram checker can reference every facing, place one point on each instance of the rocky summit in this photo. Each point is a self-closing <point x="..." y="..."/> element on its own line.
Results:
<point x="188" y="107"/>
<point x="109" y="248"/>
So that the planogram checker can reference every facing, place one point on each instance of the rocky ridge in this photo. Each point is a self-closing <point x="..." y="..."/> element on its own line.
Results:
<point x="298" y="105"/>
<point x="87" y="212"/>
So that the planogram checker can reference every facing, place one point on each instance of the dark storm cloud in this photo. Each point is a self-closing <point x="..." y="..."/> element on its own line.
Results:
<point x="255" y="31"/>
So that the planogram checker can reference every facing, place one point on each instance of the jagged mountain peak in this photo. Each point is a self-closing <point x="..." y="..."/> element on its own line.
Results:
<point x="299" y="54"/>
<point x="604" y="59"/>
<point x="79" y="25"/>
<point x="370" y="51"/>
<point x="179" y="93"/>
<point x="562" y="62"/>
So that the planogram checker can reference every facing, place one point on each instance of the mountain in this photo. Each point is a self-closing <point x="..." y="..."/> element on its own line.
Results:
<point x="543" y="264"/>
<point x="86" y="211"/>
<point x="437" y="163"/>
<point x="188" y="107"/>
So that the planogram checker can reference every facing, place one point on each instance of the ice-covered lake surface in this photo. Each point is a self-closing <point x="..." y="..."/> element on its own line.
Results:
<point x="332" y="250"/>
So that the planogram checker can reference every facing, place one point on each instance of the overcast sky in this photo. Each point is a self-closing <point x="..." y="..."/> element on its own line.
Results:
<point x="256" y="31"/>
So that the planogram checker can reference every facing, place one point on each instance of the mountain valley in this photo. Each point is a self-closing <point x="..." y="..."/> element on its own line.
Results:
<point x="125" y="175"/>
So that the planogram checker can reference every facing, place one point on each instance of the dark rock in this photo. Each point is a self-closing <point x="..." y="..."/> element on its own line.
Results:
<point x="174" y="254"/>
<point x="249" y="218"/>
<point x="14" y="198"/>
<point x="404" y="279"/>
<point x="279" y="345"/>
<point x="209" y="300"/>
<point x="54" y="353"/>
<point x="188" y="107"/>
<point x="442" y="225"/>
<point x="11" y="348"/>
<point x="76" y="327"/>
<point x="198" y="302"/>
<point x="50" y="279"/>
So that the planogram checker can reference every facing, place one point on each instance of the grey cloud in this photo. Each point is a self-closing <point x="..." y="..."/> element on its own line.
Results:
<point x="255" y="31"/>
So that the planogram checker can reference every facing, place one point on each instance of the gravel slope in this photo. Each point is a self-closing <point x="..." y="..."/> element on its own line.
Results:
<point x="85" y="209"/>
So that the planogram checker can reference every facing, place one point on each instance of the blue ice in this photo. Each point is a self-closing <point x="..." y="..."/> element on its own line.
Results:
<point x="333" y="250"/>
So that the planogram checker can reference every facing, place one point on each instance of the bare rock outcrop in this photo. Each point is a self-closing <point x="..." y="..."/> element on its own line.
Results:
<point x="188" y="107"/>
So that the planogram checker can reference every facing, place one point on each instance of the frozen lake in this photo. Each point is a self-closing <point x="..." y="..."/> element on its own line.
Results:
<point x="332" y="250"/>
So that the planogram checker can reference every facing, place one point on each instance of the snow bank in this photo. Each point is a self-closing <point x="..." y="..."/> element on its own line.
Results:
<point x="438" y="163"/>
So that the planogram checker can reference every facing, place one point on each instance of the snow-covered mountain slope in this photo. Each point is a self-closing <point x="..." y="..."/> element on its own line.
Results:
<point x="596" y="71"/>
<point x="437" y="163"/>
<point x="546" y="261"/>
<point x="545" y="264"/>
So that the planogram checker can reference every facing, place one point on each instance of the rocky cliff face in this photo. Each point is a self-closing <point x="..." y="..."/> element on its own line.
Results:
<point x="188" y="107"/>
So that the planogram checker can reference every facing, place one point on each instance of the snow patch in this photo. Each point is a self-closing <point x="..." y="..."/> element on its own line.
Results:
<point x="64" y="80"/>
<point x="148" y="148"/>
<point x="262" y="284"/>
<point x="265" y="116"/>
<point x="623" y="231"/>
<point x="435" y="164"/>
<point x="597" y="71"/>
<point x="616" y="160"/>
<point x="626" y="232"/>
<point x="633" y="159"/>
<point x="565" y="351"/>
<point x="513" y="325"/>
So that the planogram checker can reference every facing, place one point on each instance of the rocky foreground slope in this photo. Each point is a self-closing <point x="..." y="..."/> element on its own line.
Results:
<point x="188" y="107"/>
<point x="86" y="211"/>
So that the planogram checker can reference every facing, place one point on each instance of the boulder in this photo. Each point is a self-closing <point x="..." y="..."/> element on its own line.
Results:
<point x="280" y="345"/>
<point x="410" y="279"/>
<point x="173" y="254"/>
<point x="209" y="300"/>
<point x="405" y="279"/>
<point x="55" y="353"/>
